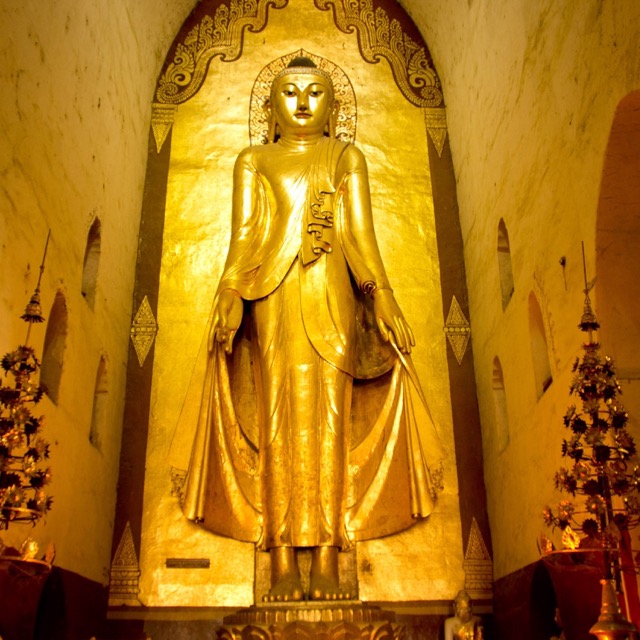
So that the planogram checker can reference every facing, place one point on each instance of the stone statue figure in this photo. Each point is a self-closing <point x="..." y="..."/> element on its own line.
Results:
<point x="283" y="454"/>
<point x="464" y="625"/>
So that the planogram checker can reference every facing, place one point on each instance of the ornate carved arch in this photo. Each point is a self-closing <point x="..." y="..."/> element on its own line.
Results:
<point x="382" y="29"/>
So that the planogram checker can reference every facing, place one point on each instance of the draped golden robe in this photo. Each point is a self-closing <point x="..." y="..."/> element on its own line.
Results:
<point x="287" y="452"/>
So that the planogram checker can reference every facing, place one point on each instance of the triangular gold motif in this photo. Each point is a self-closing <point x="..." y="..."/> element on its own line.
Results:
<point x="142" y="345"/>
<point x="162" y="117"/>
<point x="143" y="330"/>
<point x="125" y="555"/>
<point x="458" y="344"/>
<point x="436" y="123"/>
<point x="125" y="573"/>
<point x="144" y="316"/>
<point x="438" y="136"/>
<point x="458" y="330"/>
<point x="476" y="548"/>
<point x="478" y="567"/>
<point x="456" y="317"/>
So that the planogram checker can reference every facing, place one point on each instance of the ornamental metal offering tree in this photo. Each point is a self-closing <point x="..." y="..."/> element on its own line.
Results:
<point x="602" y="454"/>
<point x="22" y="450"/>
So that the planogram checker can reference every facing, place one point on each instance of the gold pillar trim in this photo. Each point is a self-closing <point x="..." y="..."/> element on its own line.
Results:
<point x="478" y="566"/>
<point x="125" y="573"/>
<point x="217" y="35"/>
<point x="343" y="89"/>
<point x="435" y="119"/>
<point x="162" y="117"/>
<point x="457" y="330"/>
<point x="143" y="330"/>
<point x="325" y="620"/>
<point x="382" y="37"/>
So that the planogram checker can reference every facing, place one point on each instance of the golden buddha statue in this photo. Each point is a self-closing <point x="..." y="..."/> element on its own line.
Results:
<point x="464" y="625"/>
<point x="303" y="308"/>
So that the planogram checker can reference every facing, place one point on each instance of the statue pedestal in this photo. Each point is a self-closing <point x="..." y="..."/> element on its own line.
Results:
<point x="346" y="620"/>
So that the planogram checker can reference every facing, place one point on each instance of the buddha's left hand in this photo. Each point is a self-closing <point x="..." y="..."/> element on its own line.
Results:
<point x="226" y="319"/>
<point x="390" y="319"/>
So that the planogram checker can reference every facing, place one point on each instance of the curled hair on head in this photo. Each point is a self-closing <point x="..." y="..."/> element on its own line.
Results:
<point x="302" y="64"/>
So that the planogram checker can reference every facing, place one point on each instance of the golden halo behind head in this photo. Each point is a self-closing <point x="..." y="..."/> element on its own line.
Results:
<point x="343" y="91"/>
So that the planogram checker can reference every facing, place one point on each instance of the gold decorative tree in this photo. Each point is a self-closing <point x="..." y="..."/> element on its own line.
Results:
<point x="604" y="470"/>
<point x="23" y="451"/>
<point x="603" y="463"/>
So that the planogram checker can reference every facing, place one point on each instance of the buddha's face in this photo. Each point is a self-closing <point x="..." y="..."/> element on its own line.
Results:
<point x="302" y="104"/>
<point x="463" y="610"/>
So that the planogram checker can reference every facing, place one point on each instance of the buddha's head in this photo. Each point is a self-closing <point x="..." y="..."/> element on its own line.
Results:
<point x="302" y="102"/>
<point x="462" y="606"/>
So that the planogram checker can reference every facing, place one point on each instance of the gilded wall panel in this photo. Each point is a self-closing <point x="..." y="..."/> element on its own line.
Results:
<point x="207" y="133"/>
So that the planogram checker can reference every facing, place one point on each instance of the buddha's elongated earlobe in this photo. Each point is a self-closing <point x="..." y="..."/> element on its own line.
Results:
<point x="271" y="119"/>
<point x="333" y="119"/>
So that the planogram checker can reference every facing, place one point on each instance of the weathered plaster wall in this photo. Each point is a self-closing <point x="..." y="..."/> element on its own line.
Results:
<point x="531" y="89"/>
<point x="76" y="83"/>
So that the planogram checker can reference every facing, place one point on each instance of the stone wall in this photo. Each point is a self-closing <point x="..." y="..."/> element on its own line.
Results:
<point x="531" y="90"/>
<point x="76" y="87"/>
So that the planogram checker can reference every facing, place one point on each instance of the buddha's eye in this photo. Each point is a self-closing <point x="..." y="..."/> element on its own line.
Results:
<point x="316" y="93"/>
<point x="288" y="93"/>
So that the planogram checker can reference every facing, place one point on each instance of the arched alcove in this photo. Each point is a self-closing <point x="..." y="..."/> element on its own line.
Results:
<point x="54" y="346"/>
<point x="504" y="264"/>
<point x="617" y="292"/>
<point x="539" y="347"/>
<point x="100" y="395"/>
<point x="199" y="125"/>
<point x="500" y="406"/>
<point x="91" y="263"/>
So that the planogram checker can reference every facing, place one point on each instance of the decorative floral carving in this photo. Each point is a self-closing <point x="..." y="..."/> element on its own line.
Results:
<point x="143" y="330"/>
<point x="381" y="37"/>
<point x="220" y="35"/>
<point x="457" y="329"/>
<point x="125" y="572"/>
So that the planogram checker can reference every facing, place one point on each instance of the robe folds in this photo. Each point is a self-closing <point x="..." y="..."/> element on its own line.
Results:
<point x="313" y="431"/>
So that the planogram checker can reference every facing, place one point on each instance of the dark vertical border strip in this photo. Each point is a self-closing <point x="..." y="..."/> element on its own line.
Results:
<point x="464" y="401"/>
<point x="138" y="387"/>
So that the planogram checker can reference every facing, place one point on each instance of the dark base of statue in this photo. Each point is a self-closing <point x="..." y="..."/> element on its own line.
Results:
<point x="347" y="620"/>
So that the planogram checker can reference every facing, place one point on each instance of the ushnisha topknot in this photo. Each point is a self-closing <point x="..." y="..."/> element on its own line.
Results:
<point x="302" y="64"/>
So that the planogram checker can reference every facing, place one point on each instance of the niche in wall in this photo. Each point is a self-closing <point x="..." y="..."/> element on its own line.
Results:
<point x="54" y="345"/>
<point x="504" y="264"/>
<point x="100" y="395"/>
<point x="500" y="406"/>
<point x="91" y="263"/>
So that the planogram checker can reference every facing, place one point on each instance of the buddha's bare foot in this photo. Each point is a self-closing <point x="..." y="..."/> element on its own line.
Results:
<point x="285" y="576"/>
<point x="326" y="589"/>
<point x="324" y="581"/>
<point x="288" y="589"/>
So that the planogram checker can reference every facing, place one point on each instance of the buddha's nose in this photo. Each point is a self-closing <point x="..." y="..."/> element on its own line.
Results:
<point x="303" y="103"/>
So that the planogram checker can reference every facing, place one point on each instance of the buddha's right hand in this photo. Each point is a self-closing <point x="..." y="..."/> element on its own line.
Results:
<point x="226" y="319"/>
